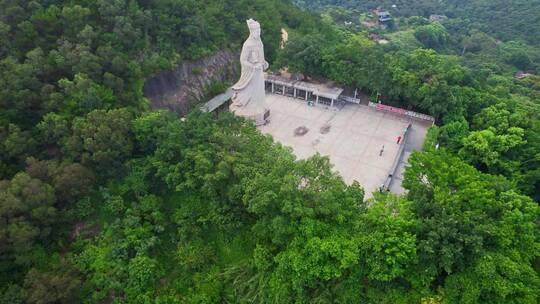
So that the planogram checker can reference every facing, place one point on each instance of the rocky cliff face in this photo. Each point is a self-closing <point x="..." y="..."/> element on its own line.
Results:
<point x="179" y="88"/>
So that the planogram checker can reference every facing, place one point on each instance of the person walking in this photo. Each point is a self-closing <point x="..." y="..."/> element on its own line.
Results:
<point x="382" y="150"/>
<point x="398" y="139"/>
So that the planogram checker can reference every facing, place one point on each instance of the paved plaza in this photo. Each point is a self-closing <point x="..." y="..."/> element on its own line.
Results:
<point x="351" y="137"/>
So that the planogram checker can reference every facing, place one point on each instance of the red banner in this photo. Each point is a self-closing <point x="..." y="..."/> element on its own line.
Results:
<point x="391" y="109"/>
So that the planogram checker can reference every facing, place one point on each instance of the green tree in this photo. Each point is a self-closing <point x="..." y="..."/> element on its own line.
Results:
<point x="304" y="54"/>
<point x="517" y="54"/>
<point x="387" y="236"/>
<point x="143" y="274"/>
<point x="478" y="41"/>
<point x="12" y="294"/>
<point x="466" y="217"/>
<point x="27" y="212"/>
<point x="54" y="129"/>
<point x="58" y="286"/>
<point x="83" y="95"/>
<point x="101" y="140"/>
<point x="433" y="35"/>
<point x="494" y="278"/>
<point x="487" y="148"/>
<point x="4" y="39"/>
<point x="71" y="181"/>
<point x="150" y="128"/>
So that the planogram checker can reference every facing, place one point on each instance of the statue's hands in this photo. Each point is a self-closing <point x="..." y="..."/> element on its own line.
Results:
<point x="258" y="66"/>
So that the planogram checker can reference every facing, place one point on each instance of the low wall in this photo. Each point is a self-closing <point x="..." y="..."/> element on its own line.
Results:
<point x="398" y="159"/>
<point x="411" y="114"/>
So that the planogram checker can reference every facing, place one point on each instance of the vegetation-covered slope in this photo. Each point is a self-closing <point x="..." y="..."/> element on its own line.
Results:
<point x="103" y="201"/>
<point x="506" y="20"/>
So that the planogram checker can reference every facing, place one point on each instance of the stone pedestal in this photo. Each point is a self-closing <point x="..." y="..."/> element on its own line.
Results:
<point x="259" y="116"/>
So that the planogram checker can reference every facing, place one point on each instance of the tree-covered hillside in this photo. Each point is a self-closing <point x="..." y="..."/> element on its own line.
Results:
<point x="104" y="201"/>
<point x="506" y="20"/>
<point x="71" y="77"/>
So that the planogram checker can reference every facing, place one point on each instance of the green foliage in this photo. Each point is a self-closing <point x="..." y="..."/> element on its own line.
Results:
<point x="82" y="95"/>
<point x="12" y="294"/>
<point x="71" y="181"/>
<point x="404" y="41"/>
<point x="451" y="135"/>
<point x="149" y="129"/>
<point x="494" y="278"/>
<point x="143" y="272"/>
<point x="469" y="221"/>
<point x="27" y="212"/>
<point x="432" y="137"/>
<point x="478" y="41"/>
<point x="506" y="20"/>
<point x="52" y="287"/>
<point x="101" y="140"/>
<point x="487" y="148"/>
<point x="433" y="35"/>
<point x="15" y="146"/>
<point x="388" y="239"/>
<point x="53" y="129"/>
<point x="518" y="54"/>
<point x="304" y="54"/>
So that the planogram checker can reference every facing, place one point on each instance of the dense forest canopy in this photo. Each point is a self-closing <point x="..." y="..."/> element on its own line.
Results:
<point x="104" y="201"/>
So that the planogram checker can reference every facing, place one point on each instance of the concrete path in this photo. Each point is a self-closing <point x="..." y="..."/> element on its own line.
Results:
<point x="414" y="142"/>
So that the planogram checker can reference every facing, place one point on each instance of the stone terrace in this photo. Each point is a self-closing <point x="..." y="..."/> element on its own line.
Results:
<point x="351" y="137"/>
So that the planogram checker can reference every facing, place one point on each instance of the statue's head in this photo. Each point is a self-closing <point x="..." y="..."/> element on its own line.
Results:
<point x="254" y="28"/>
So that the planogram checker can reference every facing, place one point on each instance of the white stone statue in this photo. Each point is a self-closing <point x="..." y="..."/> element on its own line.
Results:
<point x="249" y="96"/>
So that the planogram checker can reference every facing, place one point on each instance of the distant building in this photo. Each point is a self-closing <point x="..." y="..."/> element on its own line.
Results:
<point x="384" y="16"/>
<point x="434" y="18"/>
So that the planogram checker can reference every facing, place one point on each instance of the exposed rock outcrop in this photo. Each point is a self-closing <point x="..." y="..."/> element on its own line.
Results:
<point x="177" y="89"/>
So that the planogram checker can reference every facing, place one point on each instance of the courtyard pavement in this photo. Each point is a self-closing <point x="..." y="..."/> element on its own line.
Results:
<point x="351" y="137"/>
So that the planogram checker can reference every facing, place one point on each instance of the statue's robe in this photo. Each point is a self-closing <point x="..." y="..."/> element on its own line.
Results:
<point x="249" y="95"/>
